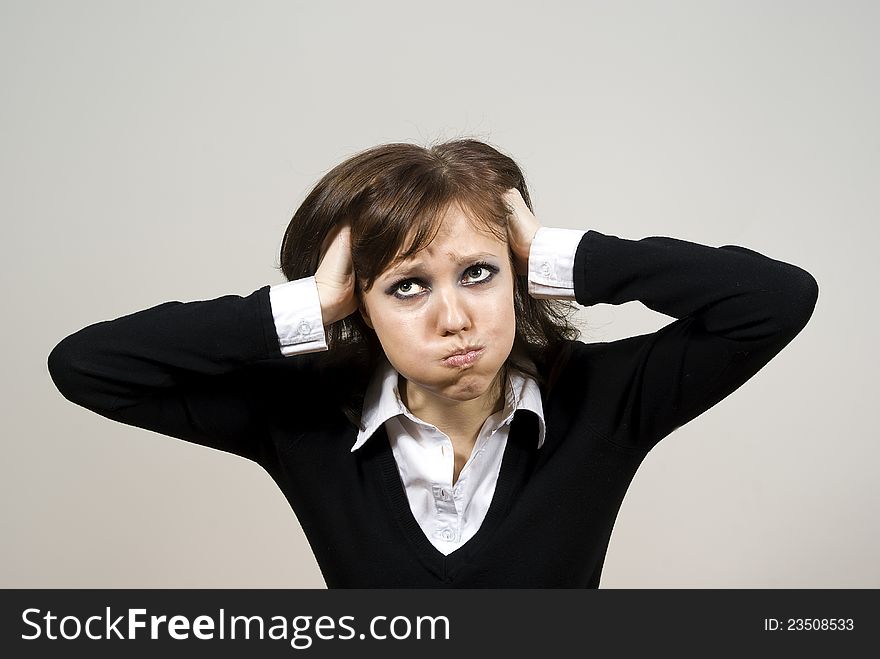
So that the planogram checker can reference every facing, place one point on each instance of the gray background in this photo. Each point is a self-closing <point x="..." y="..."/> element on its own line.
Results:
<point x="155" y="151"/>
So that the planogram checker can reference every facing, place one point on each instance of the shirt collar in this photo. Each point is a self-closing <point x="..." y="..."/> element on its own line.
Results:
<point x="382" y="401"/>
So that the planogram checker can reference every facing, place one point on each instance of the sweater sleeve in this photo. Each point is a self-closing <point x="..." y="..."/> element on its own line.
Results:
<point x="188" y="370"/>
<point x="735" y="309"/>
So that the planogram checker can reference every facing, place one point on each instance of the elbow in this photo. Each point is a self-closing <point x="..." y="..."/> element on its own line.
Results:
<point x="62" y="370"/>
<point x="801" y="296"/>
<point x="58" y="365"/>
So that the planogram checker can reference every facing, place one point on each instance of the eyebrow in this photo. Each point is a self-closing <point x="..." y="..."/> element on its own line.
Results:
<point x="417" y="266"/>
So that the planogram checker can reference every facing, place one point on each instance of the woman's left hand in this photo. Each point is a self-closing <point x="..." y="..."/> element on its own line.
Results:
<point x="522" y="226"/>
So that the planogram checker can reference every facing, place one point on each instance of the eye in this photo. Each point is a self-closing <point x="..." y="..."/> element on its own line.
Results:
<point x="405" y="287"/>
<point x="402" y="289"/>
<point x="480" y="267"/>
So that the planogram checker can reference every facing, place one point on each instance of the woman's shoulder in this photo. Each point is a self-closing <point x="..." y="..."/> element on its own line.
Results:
<point x="300" y="377"/>
<point x="597" y="369"/>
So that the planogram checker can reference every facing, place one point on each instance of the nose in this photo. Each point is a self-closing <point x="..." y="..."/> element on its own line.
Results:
<point x="453" y="311"/>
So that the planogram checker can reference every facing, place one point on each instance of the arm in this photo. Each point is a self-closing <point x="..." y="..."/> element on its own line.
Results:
<point x="735" y="309"/>
<point x="194" y="370"/>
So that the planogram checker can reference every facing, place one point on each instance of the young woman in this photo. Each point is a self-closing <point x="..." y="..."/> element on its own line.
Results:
<point x="415" y="388"/>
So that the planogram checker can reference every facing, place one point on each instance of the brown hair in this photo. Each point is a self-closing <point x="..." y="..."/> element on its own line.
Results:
<point x="395" y="197"/>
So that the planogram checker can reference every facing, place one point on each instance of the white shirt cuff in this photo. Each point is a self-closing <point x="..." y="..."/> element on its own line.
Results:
<point x="296" y="309"/>
<point x="551" y="262"/>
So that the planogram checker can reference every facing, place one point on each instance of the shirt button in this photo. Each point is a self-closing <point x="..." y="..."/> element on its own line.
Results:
<point x="304" y="327"/>
<point x="545" y="269"/>
<point x="443" y="495"/>
<point x="447" y="534"/>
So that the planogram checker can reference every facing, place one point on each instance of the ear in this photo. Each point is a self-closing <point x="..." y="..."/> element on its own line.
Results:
<point x="365" y="314"/>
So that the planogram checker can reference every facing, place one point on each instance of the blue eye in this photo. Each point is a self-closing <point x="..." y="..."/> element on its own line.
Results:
<point x="488" y="272"/>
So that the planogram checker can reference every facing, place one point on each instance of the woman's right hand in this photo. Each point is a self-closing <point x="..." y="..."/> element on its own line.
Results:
<point x="335" y="276"/>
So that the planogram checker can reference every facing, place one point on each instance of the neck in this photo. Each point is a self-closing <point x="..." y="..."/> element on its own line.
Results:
<point x="459" y="419"/>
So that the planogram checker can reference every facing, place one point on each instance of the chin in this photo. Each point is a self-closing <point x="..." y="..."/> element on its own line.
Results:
<point x="472" y="383"/>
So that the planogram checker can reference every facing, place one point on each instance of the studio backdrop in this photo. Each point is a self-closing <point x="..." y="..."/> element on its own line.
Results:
<point x="157" y="151"/>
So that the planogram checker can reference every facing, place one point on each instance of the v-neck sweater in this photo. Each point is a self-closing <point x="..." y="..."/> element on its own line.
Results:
<point x="449" y="512"/>
<point x="211" y="372"/>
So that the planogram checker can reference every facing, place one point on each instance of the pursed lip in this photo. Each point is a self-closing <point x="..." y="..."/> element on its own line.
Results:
<point x="462" y="351"/>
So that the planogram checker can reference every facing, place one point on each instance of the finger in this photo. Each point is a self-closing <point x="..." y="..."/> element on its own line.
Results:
<point x="339" y="252"/>
<point x="333" y="238"/>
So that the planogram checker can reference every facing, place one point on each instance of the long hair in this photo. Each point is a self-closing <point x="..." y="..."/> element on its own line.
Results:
<point x="395" y="196"/>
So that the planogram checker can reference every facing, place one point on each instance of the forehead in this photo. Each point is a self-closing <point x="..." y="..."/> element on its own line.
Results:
<point x="457" y="241"/>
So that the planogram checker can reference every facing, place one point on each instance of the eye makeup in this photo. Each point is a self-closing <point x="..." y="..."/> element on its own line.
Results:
<point x="482" y="265"/>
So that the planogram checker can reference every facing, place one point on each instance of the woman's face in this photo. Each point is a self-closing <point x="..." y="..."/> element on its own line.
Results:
<point x="456" y="293"/>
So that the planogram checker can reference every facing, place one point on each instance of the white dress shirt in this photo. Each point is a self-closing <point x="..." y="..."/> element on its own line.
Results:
<point x="448" y="514"/>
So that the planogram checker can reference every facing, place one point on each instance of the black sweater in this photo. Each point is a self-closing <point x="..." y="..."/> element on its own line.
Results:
<point x="211" y="372"/>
